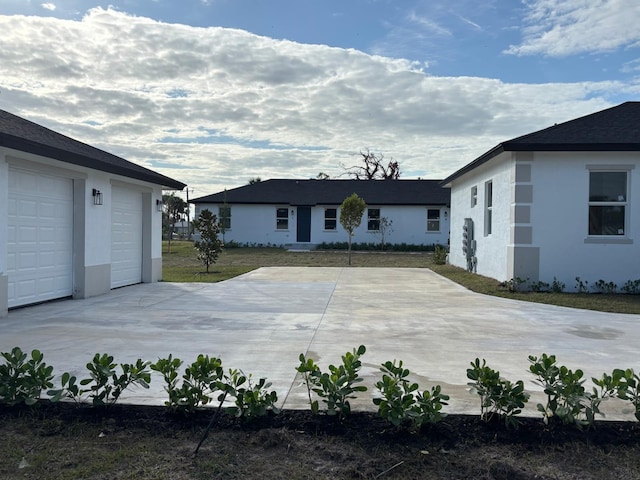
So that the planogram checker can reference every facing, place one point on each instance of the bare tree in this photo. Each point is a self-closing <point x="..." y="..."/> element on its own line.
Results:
<point x="374" y="168"/>
<point x="384" y="231"/>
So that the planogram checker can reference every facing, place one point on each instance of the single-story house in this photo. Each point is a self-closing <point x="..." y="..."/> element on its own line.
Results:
<point x="306" y="213"/>
<point x="75" y="221"/>
<point x="559" y="203"/>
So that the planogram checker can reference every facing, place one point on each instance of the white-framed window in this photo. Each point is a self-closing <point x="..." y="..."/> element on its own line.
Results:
<point x="330" y="218"/>
<point x="282" y="218"/>
<point x="608" y="203"/>
<point x="474" y="196"/>
<point x="433" y="220"/>
<point x="224" y="217"/>
<point x="488" y="207"/>
<point x="373" y="219"/>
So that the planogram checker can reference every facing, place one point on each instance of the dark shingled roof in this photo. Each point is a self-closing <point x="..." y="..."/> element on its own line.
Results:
<point x="26" y="136"/>
<point x="615" y="129"/>
<point x="333" y="192"/>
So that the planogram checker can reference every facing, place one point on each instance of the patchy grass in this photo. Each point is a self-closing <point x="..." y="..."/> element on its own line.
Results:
<point x="136" y="442"/>
<point x="181" y="265"/>
<point x="588" y="301"/>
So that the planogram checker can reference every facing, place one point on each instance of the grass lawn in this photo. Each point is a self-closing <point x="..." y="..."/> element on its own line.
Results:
<point x="182" y="265"/>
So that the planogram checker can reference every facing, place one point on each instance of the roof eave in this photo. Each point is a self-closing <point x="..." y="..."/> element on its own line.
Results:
<point x="572" y="147"/>
<point x="494" y="152"/>
<point x="539" y="147"/>
<point x="36" y="148"/>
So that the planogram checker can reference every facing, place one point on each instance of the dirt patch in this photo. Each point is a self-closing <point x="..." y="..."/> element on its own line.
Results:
<point x="64" y="441"/>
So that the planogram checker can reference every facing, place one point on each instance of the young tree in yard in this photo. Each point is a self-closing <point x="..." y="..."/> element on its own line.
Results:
<point x="351" y="212"/>
<point x="174" y="209"/>
<point x="386" y="229"/>
<point x="209" y="246"/>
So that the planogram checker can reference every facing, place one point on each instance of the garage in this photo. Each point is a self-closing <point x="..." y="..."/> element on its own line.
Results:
<point x="75" y="221"/>
<point x="40" y="237"/>
<point x="126" y="236"/>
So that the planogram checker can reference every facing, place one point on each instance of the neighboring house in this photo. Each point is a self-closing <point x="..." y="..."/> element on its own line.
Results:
<point x="560" y="203"/>
<point x="307" y="212"/>
<point x="75" y="221"/>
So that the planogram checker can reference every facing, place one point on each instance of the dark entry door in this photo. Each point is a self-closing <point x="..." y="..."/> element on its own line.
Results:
<point x="304" y="224"/>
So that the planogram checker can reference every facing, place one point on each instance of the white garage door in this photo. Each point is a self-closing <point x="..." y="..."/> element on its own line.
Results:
<point x="40" y="243"/>
<point x="126" y="237"/>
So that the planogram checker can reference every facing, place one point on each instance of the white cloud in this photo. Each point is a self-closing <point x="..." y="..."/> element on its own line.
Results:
<point x="49" y="6"/>
<point x="632" y="66"/>
<point x="469" y="22"/>
<point x="429" y="25"/>
<point x="213" y="107"/>
<point x="560" y="28"/>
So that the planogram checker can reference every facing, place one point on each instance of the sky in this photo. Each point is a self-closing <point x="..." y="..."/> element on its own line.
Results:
<point x="215" y="92"/>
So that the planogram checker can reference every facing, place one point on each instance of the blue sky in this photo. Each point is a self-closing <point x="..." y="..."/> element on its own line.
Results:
<point x="216" y="92"/>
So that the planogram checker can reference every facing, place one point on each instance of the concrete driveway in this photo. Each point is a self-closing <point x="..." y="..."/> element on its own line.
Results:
<point x="260" y="322"/>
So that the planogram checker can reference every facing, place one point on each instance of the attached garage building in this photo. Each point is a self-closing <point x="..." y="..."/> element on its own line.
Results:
<point x="75" y="221"/>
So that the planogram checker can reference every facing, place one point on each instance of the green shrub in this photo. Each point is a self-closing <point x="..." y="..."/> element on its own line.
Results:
<point x="68" y="389"/>
<point x="106" y="386"/>
<point x="402" y="403"/>
<point x="373" y="246"/>
<point x="200" y="381"/>
<point x="605" y="287"/>
<point x="631" y="287"/>
<point x="540" y="287"/>
<point x="567" y="399"/>
<point x="582" y="286"/>
<point x="497" y="396"/>
<point x="440" y="255"/>
<point x="22" y="380"/>
<point x="557" y="286"/>
<point x="251" y="400"/>
<point x="335" y="387"/>
<point x="628" y="388"/>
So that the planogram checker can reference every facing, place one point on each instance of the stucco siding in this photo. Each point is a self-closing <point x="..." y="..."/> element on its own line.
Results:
<point x="491" y="249"/>
<point x="540" y="222"/>
<point x="91" y="223"/>
<point x="256" y="224"/>
<point x="560" y="218"/>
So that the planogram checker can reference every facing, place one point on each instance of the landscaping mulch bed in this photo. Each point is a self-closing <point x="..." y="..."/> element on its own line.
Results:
<point x="65" y="441"/>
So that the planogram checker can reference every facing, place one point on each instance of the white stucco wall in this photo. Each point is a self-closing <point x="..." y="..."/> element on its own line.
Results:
<point x="491" y="250"/>
<point x="4" y="212"/>
<point x="92" y="241"/>
<point x="560" y="219"/>
<point x="256" y="224"/>
<point x="556" y="215"/>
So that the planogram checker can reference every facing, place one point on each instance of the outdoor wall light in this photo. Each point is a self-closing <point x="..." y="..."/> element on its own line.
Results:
<point x="97" y="196"/>
<point x="159" y="205"/>
<point x="293" y="212"/>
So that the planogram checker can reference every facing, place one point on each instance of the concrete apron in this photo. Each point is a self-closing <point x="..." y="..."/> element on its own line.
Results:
<point x="260" y="322"/>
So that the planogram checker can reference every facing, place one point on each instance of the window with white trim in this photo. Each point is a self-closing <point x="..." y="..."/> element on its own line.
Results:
<point x="373" y="219"/>
<point x="607" y="203"/>
<point x="330" y="218"/>
<point x="282" y="218"/>
<point x="433" y="220"/>
<point x="488" y="207"/>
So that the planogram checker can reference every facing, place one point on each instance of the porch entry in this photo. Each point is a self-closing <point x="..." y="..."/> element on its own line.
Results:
<point x="303" y="233"/>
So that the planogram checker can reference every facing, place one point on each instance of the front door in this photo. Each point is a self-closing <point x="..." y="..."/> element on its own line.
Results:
<point x="304" y="224"/>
